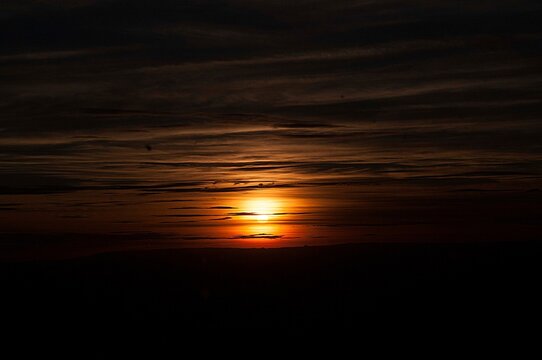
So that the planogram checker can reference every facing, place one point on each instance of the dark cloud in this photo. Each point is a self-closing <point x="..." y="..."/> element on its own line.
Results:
<point x="248" y="213"/>
<point x="74" y="216"/>
<point x="184" y="215"/>
<point x="259" y="236"/>
<point x="186" y="208"/>
<point x="243" y="213"/>
<point x="304" y="125"/>
<point x="10" y="205"/>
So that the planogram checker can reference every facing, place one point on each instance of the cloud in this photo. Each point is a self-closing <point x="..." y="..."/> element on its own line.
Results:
<point x="248" y="213"/>
<point x="50" y="55"/>
<point x="304" y="125"/>
<point x="243" y="213"/>
<point x="357" y="103"/>
<point x="258" y="236"/>
<point x="186" y="208"/>
<point x="184" y="215"/>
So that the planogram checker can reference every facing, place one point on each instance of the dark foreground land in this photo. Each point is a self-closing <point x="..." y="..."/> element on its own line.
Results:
<point x="325" y="291"/>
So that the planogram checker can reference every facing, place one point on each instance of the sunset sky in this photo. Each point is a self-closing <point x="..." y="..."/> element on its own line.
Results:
<point x="236" y="123"/>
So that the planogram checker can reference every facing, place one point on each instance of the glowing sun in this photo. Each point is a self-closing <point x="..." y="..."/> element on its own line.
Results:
<point x="261" y="209"/>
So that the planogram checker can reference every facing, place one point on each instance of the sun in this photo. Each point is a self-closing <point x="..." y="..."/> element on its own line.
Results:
<point x="261" y="209"/>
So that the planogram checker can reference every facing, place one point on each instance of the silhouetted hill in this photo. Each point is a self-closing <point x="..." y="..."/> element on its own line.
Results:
<point x="333" y="291"/>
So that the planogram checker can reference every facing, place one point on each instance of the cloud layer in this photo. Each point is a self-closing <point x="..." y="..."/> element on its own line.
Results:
<point x="376" y="109"/>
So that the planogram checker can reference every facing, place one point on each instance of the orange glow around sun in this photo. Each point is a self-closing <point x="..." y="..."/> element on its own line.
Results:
<point x="261" y="210"/>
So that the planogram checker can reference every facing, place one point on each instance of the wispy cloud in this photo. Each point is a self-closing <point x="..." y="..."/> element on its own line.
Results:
<point x="258" y="236"/>
<point x="355" y="104"/>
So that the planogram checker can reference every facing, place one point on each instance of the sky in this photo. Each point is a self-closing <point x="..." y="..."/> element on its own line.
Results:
<point x="236" y="123"/>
